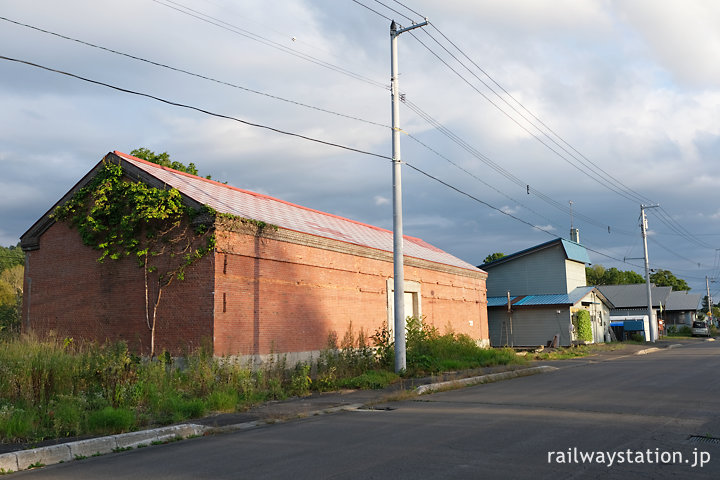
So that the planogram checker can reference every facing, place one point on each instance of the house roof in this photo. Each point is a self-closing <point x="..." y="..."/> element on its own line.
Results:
<point x="227" y="199"/>
<point x="682" y="301"/>
<point x="550" y="299"/>
<point x="573" y="251"/>
<point x="635" y="295"/>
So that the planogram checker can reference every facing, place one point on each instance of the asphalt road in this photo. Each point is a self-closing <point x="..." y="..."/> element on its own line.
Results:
<point x="639" y="412"/>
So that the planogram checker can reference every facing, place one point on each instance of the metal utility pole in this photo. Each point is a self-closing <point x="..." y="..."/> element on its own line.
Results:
<point x="399" y="278"/>
<point x="643" y="228"/>
<point x="709" y="299"/>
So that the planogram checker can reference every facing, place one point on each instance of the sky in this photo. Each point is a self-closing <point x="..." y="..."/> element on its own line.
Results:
<point x="512" y="109"/>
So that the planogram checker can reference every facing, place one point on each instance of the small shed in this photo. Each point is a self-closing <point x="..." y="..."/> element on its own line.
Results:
<point x="534" y="320"/>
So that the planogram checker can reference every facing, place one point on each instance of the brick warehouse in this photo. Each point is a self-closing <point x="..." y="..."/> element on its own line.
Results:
<point x="283" y="291"/>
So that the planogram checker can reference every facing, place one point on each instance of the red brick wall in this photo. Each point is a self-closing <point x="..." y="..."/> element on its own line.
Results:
<point x="68" y="292"/>
<point x="269" y="296"/>
<point x="277" y="296"/>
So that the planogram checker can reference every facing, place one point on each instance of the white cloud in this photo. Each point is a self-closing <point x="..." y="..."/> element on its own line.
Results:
<point x="683" y="36"/>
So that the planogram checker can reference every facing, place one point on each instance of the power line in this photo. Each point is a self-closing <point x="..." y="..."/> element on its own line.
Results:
<point x="417" y="140"/>
<point x="601" y="176"/>
<point x="197" y="75"/>
<point x="205" y="77"/>
<point x="190" y="107"/>
<point x="373" y="10"/>
<point x="393" y="10"/>
<point x="667" y="219"/>
<point x="638" y="196"/>
<point x="201" y="110"/>
<point x="669" y="250"/>
<point x="408" y="8"/>
<point x="474" y="198"/>
<point x="283" y="132"/>
<point x="609" y="180"/>
<point x="495" y="166"/>
<point x="595" y="178"/>
<point x="462" y="192"/>
<point x="304" y="137"/>
<point x="265" y="41"/>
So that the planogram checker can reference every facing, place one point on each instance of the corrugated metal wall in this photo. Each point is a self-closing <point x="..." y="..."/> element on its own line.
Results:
<point x="541" y="273"/>
<point x="531" y="327"/>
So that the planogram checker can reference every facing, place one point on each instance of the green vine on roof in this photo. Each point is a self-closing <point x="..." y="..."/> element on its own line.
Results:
<point x="122" y="218"/>
<point x="235" y="223"/>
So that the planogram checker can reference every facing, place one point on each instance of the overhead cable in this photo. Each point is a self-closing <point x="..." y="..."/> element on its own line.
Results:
<point x="198" y="109"/>
<point x="265" y="41"/>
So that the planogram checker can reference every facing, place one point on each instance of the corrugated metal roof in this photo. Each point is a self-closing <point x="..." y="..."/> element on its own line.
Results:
<point x="499" y="301"/>
<point x="255" y="206"/>
<point x="575" y="251"/>
<point x="548" y="299"/>
<point x="551" y="299"/>
<point x="682" y="301"/>
<point x="634" y="295"/>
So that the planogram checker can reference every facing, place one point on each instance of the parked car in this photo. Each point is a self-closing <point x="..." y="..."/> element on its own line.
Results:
<point x="700" y="329"/>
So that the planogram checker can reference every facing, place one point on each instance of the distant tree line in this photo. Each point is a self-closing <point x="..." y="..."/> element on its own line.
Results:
<point x="599" y="275"/>
<point x="12" y="269"/>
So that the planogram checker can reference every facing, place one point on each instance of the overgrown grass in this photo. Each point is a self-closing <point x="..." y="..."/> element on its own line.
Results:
<point x="60" y="388"/>
<point x="576" y="351"/>
<point x="429" y="352"/>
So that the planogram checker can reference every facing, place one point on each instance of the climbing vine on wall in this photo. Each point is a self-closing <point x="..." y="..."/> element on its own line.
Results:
<point x="584" y="326"/>
<point x="122" y="218"/>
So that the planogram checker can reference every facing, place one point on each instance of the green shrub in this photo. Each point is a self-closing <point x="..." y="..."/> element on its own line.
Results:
<point x="9" y="321"/>
<point x="111" y="420"/>
<point x="637" y="337"/>
<point x="225" y="400"/>
<point x="17" y="423"/>
<point x="301" y="382"/>
<point x="68" y="415"/>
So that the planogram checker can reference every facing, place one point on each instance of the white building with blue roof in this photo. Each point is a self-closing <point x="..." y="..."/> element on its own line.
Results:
<point x="534" y="296"/>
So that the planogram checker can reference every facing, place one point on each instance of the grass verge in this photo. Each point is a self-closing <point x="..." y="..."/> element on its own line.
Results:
<point x="60" y="388"/>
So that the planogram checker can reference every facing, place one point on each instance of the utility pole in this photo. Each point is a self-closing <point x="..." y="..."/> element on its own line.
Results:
<point x="709" y="299"/>
<point x="399" y="279"/>
<point x="643" y="228"/>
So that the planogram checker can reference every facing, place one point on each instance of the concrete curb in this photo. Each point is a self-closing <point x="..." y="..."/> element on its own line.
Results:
<point x="492" y="377"/>
<point x="657" y="349"/>
<point x="256" y="423"/>
<point x="24" y="459"/>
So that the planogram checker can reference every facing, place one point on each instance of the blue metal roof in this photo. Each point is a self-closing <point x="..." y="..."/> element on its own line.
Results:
<point x="498" y="301"/>
<point x="579" y="293"/>
<point x="575" y="251"/>
<point x="550" y="299"/>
